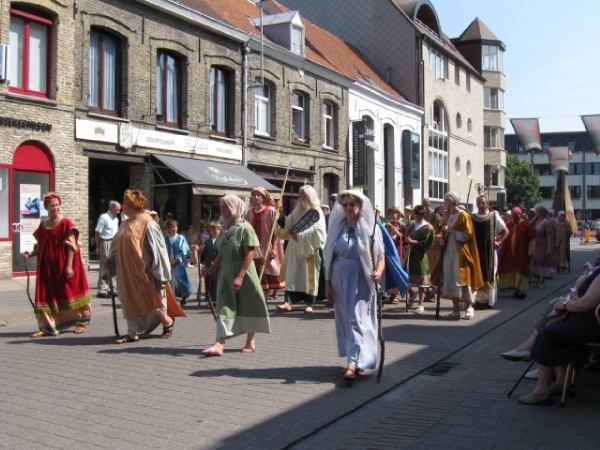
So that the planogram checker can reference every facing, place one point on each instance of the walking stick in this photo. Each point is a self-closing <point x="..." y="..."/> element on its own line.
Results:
<point x="207" y="286"/>
<point x="114" y="303"/>
<point x="262" y="270"/>
<point x="438" y="296"/>
<point x="28" y="295"/>
<point x="379" y="306"/>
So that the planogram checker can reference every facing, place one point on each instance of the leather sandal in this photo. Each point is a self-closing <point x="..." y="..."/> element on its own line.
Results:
<point x="349" y="375"/>
<point x="168" y="331"/>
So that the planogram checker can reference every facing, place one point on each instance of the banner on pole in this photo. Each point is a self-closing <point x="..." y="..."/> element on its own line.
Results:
<point x="359" y="154"/>
<point x="559" y="158"/>
<point x="528" y="133"/>
<point x="592" y="125"/>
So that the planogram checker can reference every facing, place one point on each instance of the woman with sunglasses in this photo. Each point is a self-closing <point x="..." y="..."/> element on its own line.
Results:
<point x="354" y="265"/>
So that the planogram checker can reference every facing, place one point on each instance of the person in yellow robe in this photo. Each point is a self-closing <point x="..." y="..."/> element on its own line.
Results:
<point x="461" y="269"/>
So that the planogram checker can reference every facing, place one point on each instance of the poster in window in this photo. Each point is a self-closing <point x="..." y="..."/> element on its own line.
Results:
<point x="31" y="209"/>
<point x="359" y="176"/>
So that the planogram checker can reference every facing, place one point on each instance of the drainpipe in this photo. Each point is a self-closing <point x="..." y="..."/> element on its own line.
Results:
<point x="245" y="51"/>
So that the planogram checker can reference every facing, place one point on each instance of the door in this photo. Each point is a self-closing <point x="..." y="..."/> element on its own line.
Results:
<point x="28" y="211"/>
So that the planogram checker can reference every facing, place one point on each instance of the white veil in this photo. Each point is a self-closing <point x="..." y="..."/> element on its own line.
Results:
<point x="363" y="232"/>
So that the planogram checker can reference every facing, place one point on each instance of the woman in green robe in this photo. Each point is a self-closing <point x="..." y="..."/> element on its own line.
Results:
<point x="241" y="306"/>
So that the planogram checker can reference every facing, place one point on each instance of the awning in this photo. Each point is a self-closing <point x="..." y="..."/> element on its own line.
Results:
<point x="216" y="178"/>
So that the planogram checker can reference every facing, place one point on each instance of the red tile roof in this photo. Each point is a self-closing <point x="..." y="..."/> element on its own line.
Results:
<point x="322" y="47"/>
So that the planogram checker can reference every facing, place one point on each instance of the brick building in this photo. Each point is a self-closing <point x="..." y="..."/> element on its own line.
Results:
<point x="404" y="40"/>
<point x="162" y="96"/>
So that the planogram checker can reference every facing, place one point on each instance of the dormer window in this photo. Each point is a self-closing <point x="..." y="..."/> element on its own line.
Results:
<point x="285" y="29"/>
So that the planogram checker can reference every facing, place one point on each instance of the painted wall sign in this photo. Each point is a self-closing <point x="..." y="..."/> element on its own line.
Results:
<point x="22" y="124"/>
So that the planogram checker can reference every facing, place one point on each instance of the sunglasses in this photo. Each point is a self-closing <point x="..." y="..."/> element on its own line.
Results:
<point x="349" y="205"/>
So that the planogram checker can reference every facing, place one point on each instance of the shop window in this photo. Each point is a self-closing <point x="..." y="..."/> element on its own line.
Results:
<point x="29" y="53"/>
<point x="4" y="204"/>
<point x="330" y="186"/>
<point x="104" y="80"/>
<point x="168" y="89"/>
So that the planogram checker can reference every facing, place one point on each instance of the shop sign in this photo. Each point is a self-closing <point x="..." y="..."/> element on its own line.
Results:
<point x="21" y="124"/>
<point x="91" y="130"/>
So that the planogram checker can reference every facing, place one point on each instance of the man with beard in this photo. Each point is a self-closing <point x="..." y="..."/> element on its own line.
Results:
<point x="490" y="232"/>
<point x="262" y="216"/>
<point x="303" y="257"/>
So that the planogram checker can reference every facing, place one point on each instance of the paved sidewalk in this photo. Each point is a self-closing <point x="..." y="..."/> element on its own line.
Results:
<point x="82" y="391"/>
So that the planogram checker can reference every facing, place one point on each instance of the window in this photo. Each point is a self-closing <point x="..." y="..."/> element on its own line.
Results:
<point x="542" y="169"/>
<point x="468" y="83"/>
<point x="469" y="126"/>
<point x="547" y="191"/>
<point x="571" y="144"/>
<point x="575" y="191"/>
<point x="103" y="79"/>
<point x="168" y="90"/>
<point x="437" y="63"/>
<point x="469" y="170"/>
<point x="493" y="137"/>
<point x="328" y="140"/>
<point x="29" y="53"/>
<point x="545" y="146"/>
<point x="458" y="121"/>
<point x="457" y="74"/>
<point x="262" y="110"/>
<point x="457" y="166"/>
<point x="593" y="192"/>
<point x="297" y="40"/>
<point x="493" y="98"/>
<point x="592" y="169"/>
<point x="298" y="117"/>
<point x="575" y="169"/>
<point x="4" y="204"/>
<point x="218" y="100"/>
<point x="492" y="58"/>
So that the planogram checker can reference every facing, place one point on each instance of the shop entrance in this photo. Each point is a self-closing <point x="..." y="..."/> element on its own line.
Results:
<point x="32" y="178"/>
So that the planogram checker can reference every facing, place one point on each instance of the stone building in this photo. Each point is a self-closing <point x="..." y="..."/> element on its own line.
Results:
<point x="404" y="40"/>
<point x="485" y="52"/>
<point x="36" y="117"/>
<point x="162" y="96"/>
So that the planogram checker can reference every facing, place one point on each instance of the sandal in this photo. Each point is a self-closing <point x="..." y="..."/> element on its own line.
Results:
<point x="286" y="307"/>
<point x="394" y="300"/>
<point x="39" y="334"/>
<point x="80" y="329"/>
<point x="308" y="310"/>
<point x="168" y="331"/>
<point x="125" y="339"/>
<point x="470" y="313"/>
<point x="349" y="375"/>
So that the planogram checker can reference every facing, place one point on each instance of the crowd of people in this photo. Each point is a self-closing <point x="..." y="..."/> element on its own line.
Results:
<point x="340" y="253"/>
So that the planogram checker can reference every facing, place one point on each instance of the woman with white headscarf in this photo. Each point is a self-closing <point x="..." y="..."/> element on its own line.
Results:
<point x="241" y="305"/>
<point x="354" y="264"/>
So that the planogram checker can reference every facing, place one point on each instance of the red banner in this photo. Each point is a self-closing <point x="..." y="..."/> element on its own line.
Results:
<point x="528" y="133"/>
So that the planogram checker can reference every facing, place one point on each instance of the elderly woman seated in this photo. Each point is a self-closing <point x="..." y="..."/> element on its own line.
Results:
<point x="560" y="343"/>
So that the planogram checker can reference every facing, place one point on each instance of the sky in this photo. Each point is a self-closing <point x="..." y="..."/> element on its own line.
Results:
<point x="552" y="57"/>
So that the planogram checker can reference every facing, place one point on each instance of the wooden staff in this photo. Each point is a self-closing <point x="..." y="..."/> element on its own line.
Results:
<point x="28" y="295"/>
<point x="114" y="303"/>
<point x="262" y="270"/>
<point x="379" y="305"/>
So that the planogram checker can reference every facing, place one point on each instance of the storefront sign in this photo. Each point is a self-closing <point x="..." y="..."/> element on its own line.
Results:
<point x="128" y="136"/>
<point x="21" y="124"/>
<point x="91" y="130"/>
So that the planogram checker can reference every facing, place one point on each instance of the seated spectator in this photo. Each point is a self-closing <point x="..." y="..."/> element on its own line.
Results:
<point x="560" y="343"/>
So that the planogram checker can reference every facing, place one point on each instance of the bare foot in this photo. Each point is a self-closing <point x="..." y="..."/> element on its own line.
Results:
<point x="80" y="329"/>
<point x="215" y="350"/>
<point x="249" y="348"/>
<point x="38" y="334"/>
<point x="286" y="307"/>
<point x="308" y="310"/>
